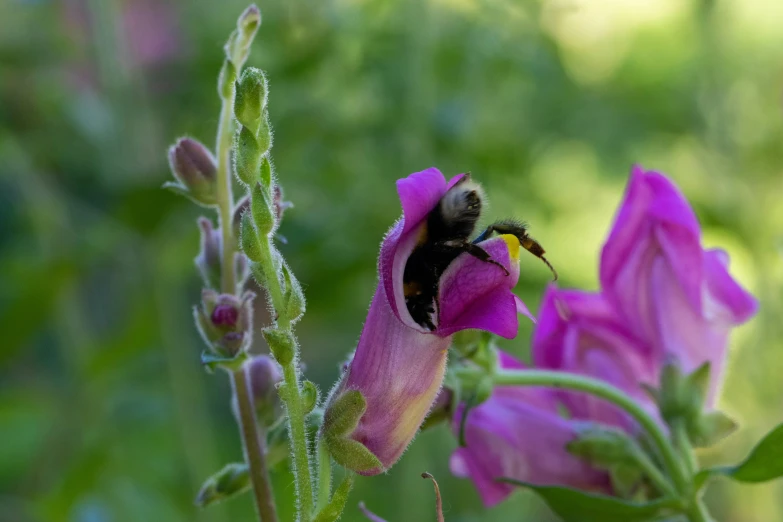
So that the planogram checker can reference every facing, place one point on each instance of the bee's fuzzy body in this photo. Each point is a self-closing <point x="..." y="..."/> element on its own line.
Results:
<point x="445" y="236"/>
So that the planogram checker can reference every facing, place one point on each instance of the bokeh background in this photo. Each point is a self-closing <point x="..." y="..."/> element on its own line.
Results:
<point x="105" y="412"/>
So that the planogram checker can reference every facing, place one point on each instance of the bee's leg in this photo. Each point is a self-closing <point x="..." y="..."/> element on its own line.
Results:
<point x="519" y="230"/>
<point x="474" y="250"/>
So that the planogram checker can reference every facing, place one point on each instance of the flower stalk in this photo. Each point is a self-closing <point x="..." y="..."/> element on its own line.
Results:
<point x="258" y="225"/>
<point x="676" y="464"/>
<point x="253" y="442"/>
<point x="612" y="394"/>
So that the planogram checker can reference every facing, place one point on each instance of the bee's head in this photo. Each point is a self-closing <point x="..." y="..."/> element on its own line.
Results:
<point x="459" y="209"/>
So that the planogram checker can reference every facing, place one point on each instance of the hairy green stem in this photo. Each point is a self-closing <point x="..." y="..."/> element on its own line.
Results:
<point x="255" y="448"/>
<point x="252" y="442"/>
<point x="610" y="393"/>
<point x="293" y="393"/>
<point x="324" y="477"/>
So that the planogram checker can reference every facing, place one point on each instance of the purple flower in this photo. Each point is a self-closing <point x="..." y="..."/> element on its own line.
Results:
<point x="518" y="433"/>
<point x="579" y="332"/>
<point x="676" y="296"/>
<point x="398" y="366"/>
<point x="663" y="298"/>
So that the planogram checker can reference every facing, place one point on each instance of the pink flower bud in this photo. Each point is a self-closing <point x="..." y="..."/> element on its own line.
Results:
<point x="264" y="375"/>
<point x="195" y="169"/>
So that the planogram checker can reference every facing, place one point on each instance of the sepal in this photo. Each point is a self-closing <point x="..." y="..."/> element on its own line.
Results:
<point x="230" y="481"/>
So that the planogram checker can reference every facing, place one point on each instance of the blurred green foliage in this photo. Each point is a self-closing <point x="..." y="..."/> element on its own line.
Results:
<point x="105" y="414"/>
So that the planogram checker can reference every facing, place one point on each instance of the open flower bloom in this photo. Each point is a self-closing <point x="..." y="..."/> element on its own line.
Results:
<point x="677" y="297"/>
<point x="580" y="332"/>
<point x="518" y="433"/>
<point x="399" y="366"/>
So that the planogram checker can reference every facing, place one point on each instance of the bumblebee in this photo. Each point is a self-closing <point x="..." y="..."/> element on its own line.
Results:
<point x="445" y="236"/>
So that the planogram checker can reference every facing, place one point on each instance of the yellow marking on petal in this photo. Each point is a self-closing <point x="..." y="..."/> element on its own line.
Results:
<point x="418" y="408"/>
<point x="513" y="246"/>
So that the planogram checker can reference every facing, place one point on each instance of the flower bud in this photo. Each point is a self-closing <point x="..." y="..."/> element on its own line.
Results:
<point x="242" y="269"/>
<point x="263" y="210"/>
<point x="264" y="375"/>
<point x="238" y="46"/>
<point x="247" y="157"/>
<point x="280" y="205"/>
<point x="196" y="171"/>
<point x="224" y="321"/>
<point x="240" y="208"/>
<point x="281" y="343"/>
<point x="230" y="481"/>
<point x="208" y="259"/>
<point x="250" y="101"/>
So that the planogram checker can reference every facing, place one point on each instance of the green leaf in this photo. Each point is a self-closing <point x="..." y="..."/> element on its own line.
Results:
<point x="343" y="414"/>
<point x="336" y="505"/>
<point x="764" y="463"/>
<point x="710" y="429"/>
<point x="352" y="455"/>
<point x="230" y="481"/>
<point x="578" y="506"/>
<point x="232" y="364"/>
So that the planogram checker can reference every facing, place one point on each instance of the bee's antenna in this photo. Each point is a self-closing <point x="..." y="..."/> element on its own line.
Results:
<point x="535" y="248"/>
<point x="554" y="272"/>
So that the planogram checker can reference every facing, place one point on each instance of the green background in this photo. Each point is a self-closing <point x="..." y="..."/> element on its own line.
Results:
<point x="105" y="413"/>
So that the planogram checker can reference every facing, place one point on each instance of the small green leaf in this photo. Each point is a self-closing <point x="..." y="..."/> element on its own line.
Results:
<point x="248" y="238"/>
<point x="710" y="428"/>
<point x="261" y="208"/>
<point x="230" y="481"/>
<point x="343" y="414"/>
<point x="764" y="463"/>
<point x="336" y="505"/>
<point x="281" y="343"/>
<point x="266" y="173"/>
<point x="247" y="157"/>
<point x="604" y="446"/>
<point x="578" y="506"/>
<point x="309" y="396"/>
<point x="294" y="296"/>
<point x="352" y="455"/>
<point x="232" y="364"/>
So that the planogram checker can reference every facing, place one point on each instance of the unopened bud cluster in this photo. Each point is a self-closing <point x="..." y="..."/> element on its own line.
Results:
<point x="260" y="212"/>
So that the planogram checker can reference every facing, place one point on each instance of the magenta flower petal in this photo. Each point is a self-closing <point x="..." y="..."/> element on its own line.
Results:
<point x="733" y="303"/>
<point x="674" y="296"/>
<point x="578" y="332"/>
<point x="398" y="366"/>
<point x="399" y="371"/>
<point x="475" y="294"/>
<point x="654" y="220"/>
<point x="519" y="434"/>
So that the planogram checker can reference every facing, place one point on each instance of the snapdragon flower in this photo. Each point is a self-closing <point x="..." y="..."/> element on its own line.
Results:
<point x="397" y="370"/>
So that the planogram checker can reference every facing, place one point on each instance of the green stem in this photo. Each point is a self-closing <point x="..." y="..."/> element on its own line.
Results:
<point x="654" y="474"/>
<point x="293" y="393"/>
<point x="225" y="197"/>
<point x="607" y="392"/>
<point x="324" y="477"/>
<point x="698" y="512"/>
<point x="254" y="446"/>
<point x="252" y="442"/>
<point x="683" y="445"/>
